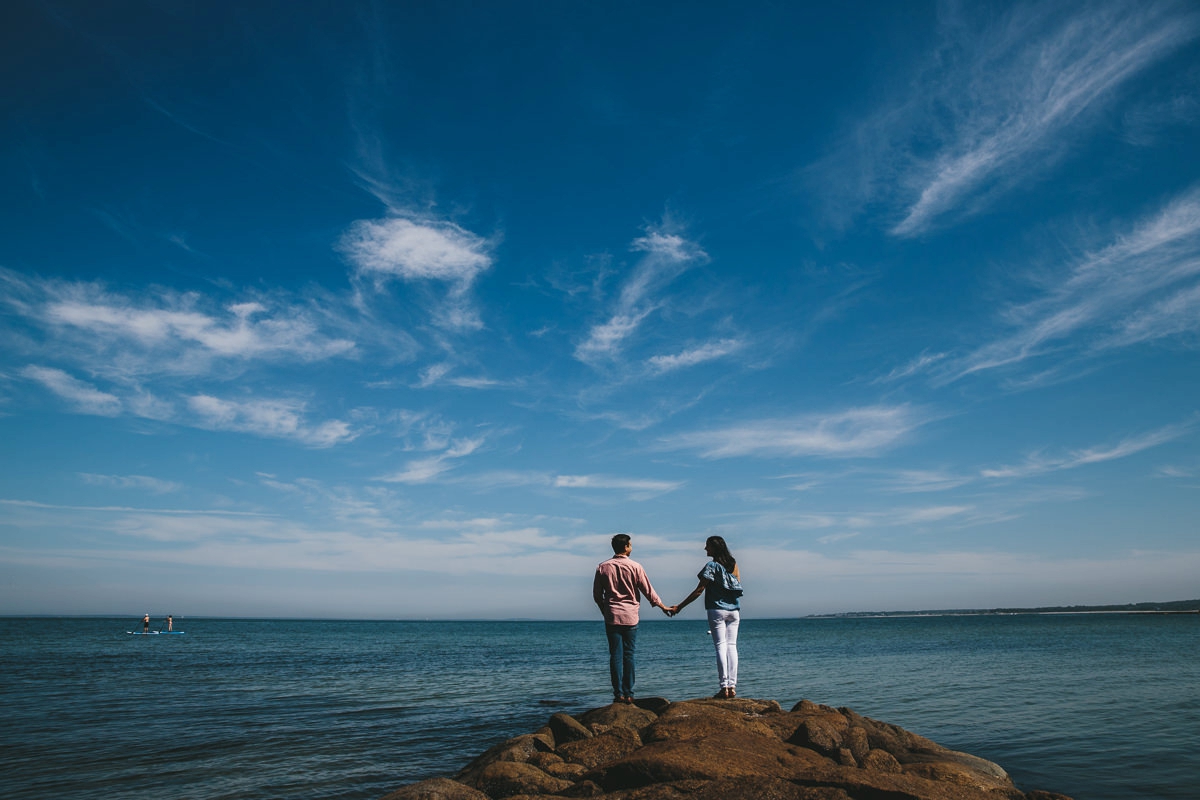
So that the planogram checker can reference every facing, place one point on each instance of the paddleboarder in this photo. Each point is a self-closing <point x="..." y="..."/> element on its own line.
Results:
<point x="170" y="624"/>
<point x="146" y="623"/>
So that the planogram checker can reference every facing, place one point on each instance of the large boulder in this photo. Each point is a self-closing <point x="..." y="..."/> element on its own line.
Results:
<point x="708" y="749"/>
<point x="437" y="789"/>
<point x="601" y="748"/>
<point x="519" y="749"/>
<point x="566" y="728"/>
<point x="505" y="778"/>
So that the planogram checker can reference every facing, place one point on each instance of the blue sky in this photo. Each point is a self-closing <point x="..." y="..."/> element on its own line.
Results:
<point x="401" y="310"/>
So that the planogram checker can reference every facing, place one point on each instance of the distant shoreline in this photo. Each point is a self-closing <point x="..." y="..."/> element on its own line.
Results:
<point x="1172" y="607"/>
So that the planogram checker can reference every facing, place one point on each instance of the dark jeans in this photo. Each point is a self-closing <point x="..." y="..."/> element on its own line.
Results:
<point x="622" y="640"/>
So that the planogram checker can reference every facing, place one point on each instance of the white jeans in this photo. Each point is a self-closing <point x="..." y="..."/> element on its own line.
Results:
<point x="723" y="625"/>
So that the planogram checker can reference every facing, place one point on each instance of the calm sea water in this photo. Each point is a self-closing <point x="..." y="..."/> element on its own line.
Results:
<point x="1100" y="707"/>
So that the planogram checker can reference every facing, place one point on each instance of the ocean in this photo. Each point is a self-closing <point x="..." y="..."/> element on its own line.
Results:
<point x="1097" y="706"/>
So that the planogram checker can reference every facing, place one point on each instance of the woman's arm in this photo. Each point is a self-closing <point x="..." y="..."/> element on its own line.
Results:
<point x="699" y="590"/>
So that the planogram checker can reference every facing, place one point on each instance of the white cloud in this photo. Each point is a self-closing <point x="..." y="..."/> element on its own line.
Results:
<point x="1003" y="99"/>
<point x="85" y="397"/>
<point x="696" y="355"/>
<point x="915" y="480"/>
<point x="916" y="366"/>
<point x="836" y="537"/>
<point x="416" y="250"/>
<point x="1039" y="463"/>
<point x="144" y="482"/>
<point x="919" y="516"/>
<point x="1173" y="316"/>
<point x="606" y="339"/>
<point x="610" y="482"/>
<point x="424" y="470"/>
<point x="855" y="432"/>
<point x="1014" y="101"/>
<point x="279" y="419"/>
<point x="160" y="332"/>
<point x="423" y="250"/>
<point x="668" y="255"/>
<point x="670" y="246"/>
<point x="1142" y="286"/>
<point x="236" y="335"/>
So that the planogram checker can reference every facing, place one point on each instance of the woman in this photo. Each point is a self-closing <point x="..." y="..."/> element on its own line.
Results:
<point x="720" y="583"/>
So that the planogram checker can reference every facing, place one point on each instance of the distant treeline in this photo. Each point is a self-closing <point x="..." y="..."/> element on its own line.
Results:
<point x="1170" y="607"/>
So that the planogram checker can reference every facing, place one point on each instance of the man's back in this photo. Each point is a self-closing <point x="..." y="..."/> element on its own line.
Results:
<point x="618" y="588"/>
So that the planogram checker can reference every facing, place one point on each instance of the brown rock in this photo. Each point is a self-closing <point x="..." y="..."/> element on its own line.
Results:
<point x="568" y="772"/>
<point x="818" y="734"/>
<point x="655" y="705"/>
<point x="696" y="719"/>
<point x="618" y="715"/>
<point x="608" y="746"/>
<point x="583" y="789"/>
<point x="680" y="790"/>
<point x="505" y="778"/>
<point x="707" y="749"/>
<point x="437" y="789"/>
<point x="727" y="754"/>
<point x="765" y="789"/>
<point x="881" y="761"/>
<point x="519" y="748"/>
<point x="567" y="729"/>
<point x="544" y="760"/>
<point x="856" y="740"/>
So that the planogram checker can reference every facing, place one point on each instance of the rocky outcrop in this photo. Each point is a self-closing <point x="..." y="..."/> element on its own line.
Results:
<point x="722" y="750"/>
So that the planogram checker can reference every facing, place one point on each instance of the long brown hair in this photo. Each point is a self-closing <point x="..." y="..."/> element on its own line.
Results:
<point x="720" y="552"/>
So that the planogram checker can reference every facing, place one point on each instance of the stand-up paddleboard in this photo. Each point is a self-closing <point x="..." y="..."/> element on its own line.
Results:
<point x="156" y="633"/>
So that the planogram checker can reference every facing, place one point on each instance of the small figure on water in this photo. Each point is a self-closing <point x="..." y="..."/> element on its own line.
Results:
<point x="617" y="589"/>
<point x="146" y="623"/>
<point x="170" y="623"/>
<point x="721" y="585"/>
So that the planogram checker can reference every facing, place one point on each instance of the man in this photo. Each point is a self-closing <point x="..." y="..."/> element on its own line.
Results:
<point x="617" y="589"/>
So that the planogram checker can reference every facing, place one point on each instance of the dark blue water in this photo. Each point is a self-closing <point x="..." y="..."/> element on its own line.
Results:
<point x="1100" y="707"/>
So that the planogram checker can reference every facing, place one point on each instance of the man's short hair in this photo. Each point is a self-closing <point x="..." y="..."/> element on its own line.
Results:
<point x="619" y="541"/>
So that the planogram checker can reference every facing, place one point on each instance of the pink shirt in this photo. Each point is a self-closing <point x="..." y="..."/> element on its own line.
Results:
<point x="620" y="582"/>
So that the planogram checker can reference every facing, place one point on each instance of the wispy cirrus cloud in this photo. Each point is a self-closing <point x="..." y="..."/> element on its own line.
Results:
<point x="429" y="468"/>
<point x="1140" y="287"/>
<point x="1023" y="94"/>
<point x="418" y="250"/>
<point x="667" y="256"/>
<point x="84" y="397"/>
<point x="916" y="480"/>
<point x="158" y="331"/>
<point x="710" y="351"/>
<point x="1001" y="100"/>
<point x="142" y="482"/>
<point x="1039" y="463"/>
<point x="855" y="432"/>
<point x="276" y="419"/>
<point x="640" y="486"/>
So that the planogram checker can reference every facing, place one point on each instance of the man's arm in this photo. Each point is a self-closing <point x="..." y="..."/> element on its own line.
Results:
<point x="648" y="590"/>
<point x="598" y="587"/>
